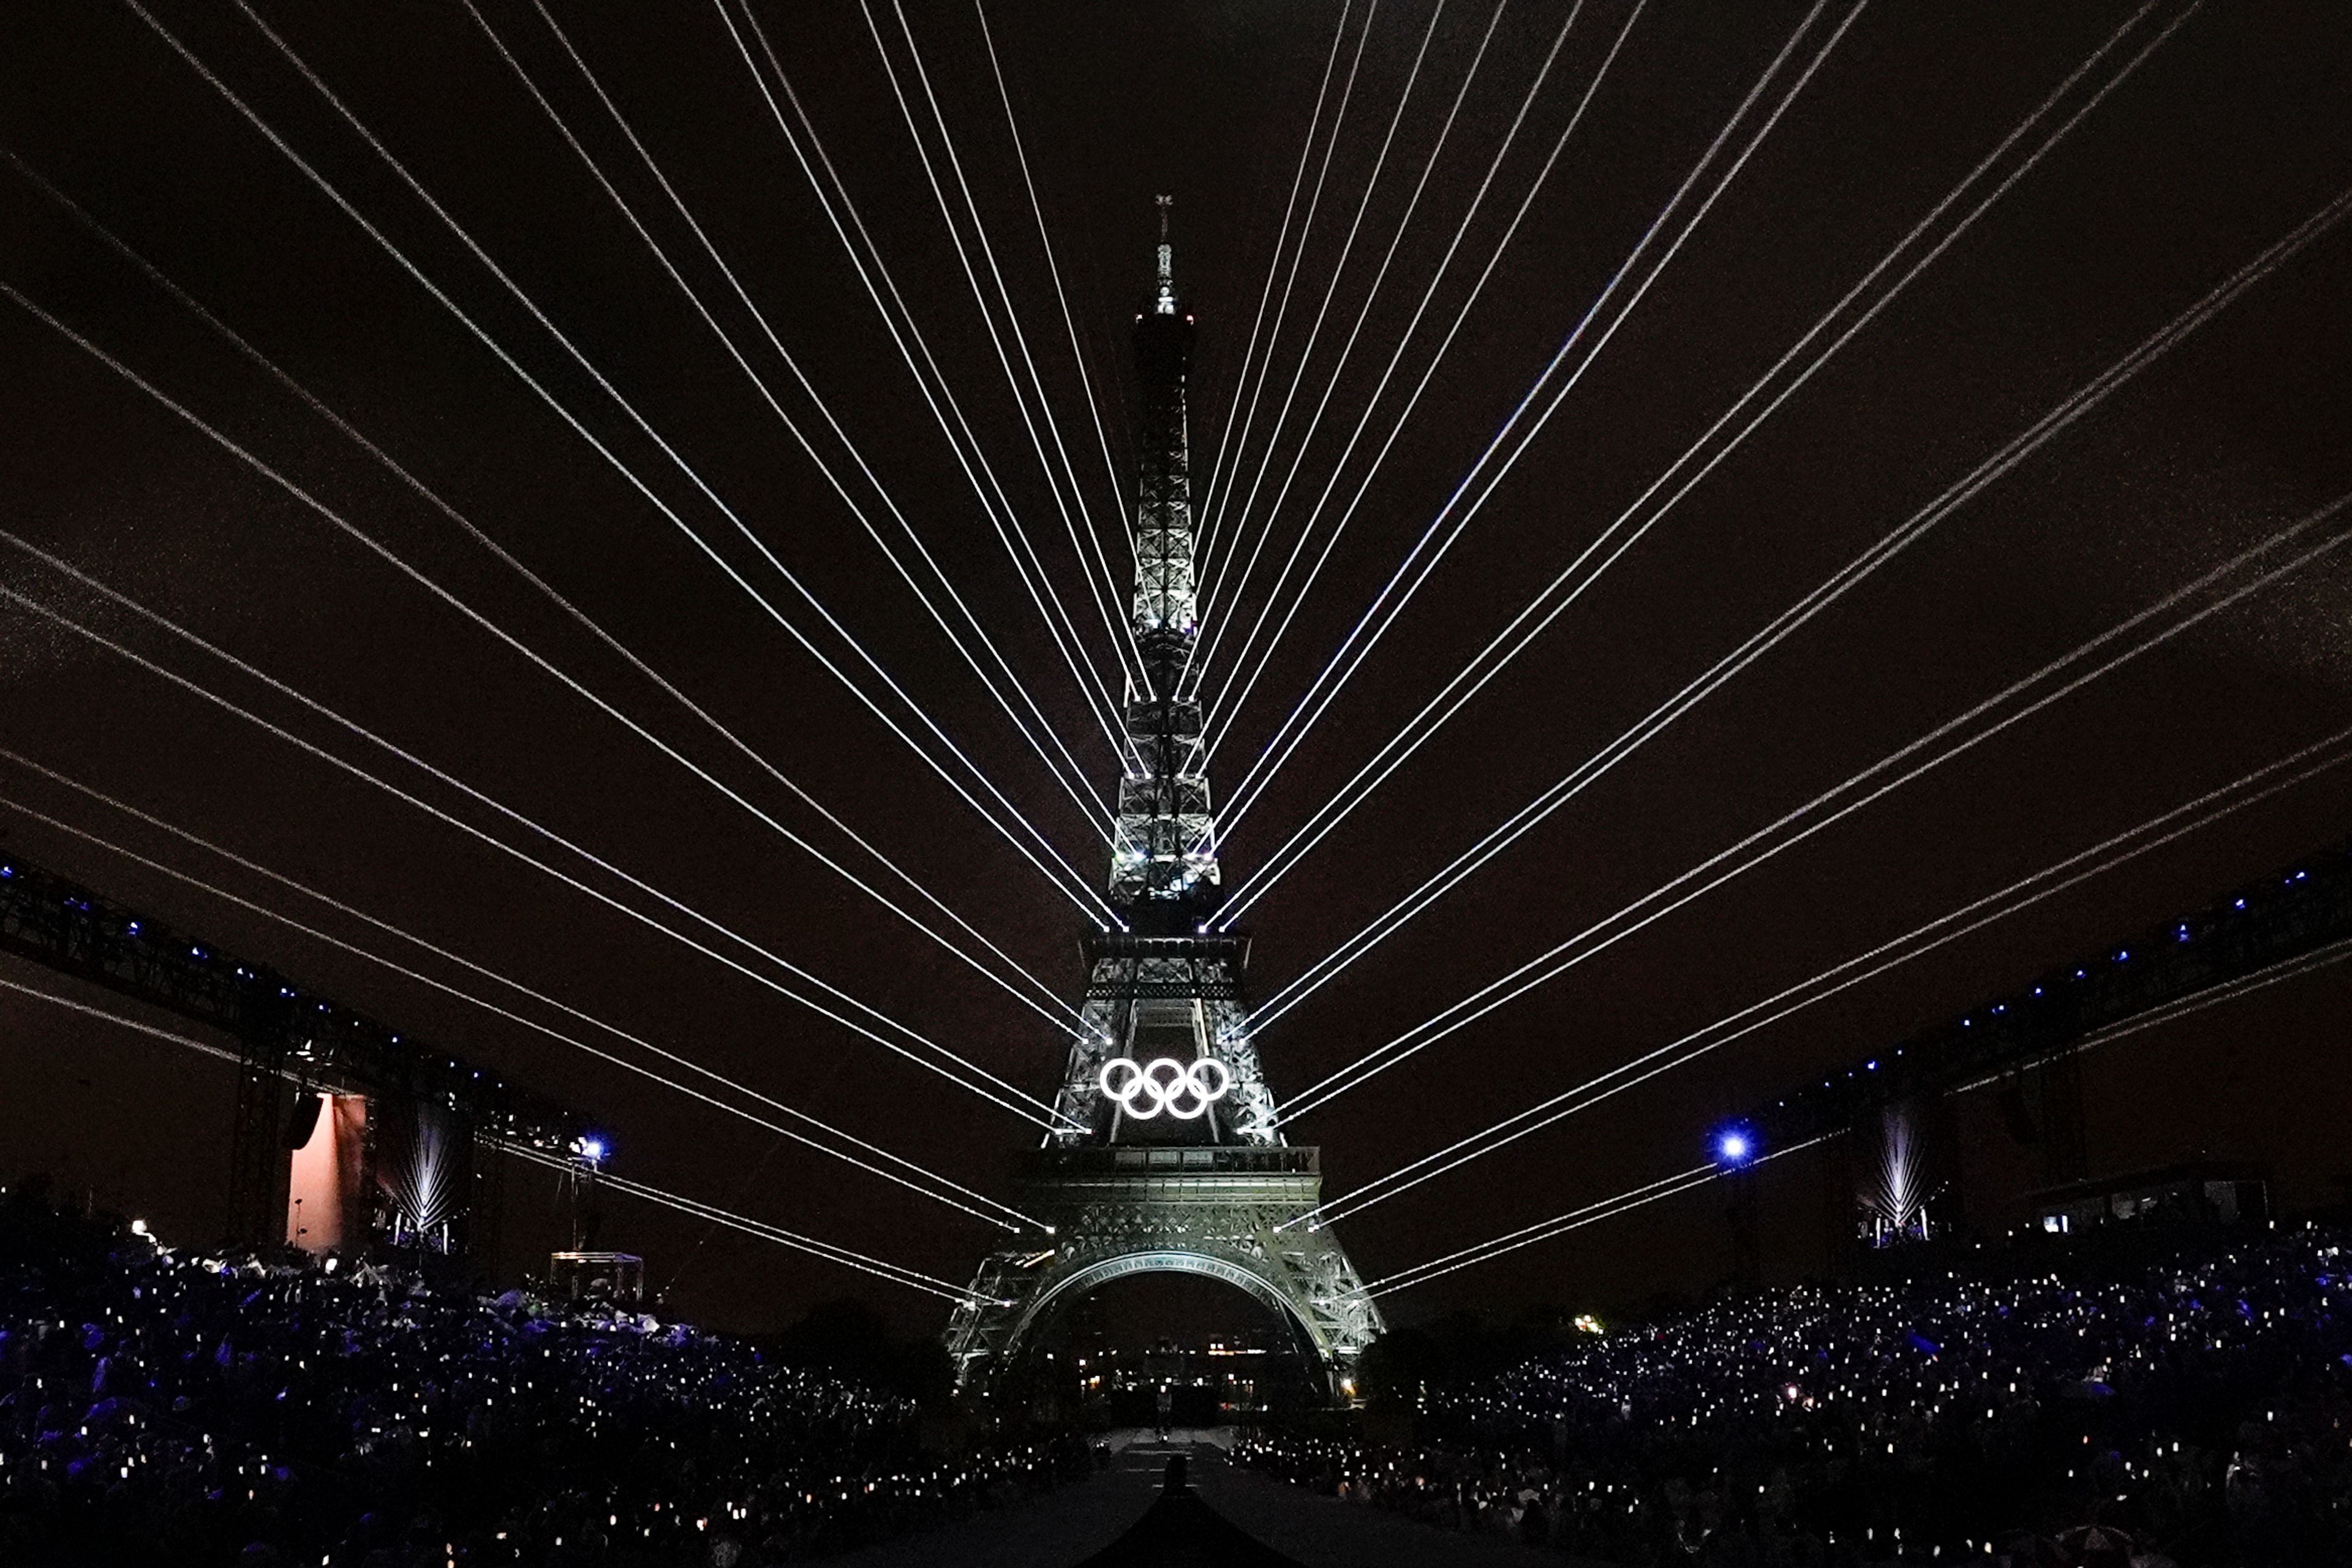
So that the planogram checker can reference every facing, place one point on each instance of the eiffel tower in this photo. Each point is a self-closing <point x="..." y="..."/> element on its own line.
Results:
<point x="1168" y="1158"/>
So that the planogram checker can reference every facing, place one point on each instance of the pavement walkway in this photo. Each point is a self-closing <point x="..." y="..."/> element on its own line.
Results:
<point x="1063" y="1528"/>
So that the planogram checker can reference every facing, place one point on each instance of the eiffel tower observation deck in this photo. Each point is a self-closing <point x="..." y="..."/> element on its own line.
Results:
<point x="1168" y="1158"/>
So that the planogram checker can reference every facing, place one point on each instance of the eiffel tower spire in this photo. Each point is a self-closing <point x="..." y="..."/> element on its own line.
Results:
<point x="1167" y="1157"/>
<point x="1164" y="856"/>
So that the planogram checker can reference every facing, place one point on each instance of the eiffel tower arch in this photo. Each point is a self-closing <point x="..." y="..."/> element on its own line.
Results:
<point x="1166" y="1156"/>
<point x="1212" y="1211"/>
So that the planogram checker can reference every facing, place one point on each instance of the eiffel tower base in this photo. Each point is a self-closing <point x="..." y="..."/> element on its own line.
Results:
<point x="1143" y="1209"/>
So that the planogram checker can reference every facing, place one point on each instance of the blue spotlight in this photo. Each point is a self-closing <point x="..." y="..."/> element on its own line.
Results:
<point x="591" y="1149"/>
<point x="1734" y="1146"/>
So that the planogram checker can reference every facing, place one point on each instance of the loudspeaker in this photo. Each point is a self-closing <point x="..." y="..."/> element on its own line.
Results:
<point x="2016" y="1116"/>
<point x="304" y="1121"/>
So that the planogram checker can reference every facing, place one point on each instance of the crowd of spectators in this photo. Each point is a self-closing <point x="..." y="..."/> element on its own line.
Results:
<point x="158" y="1407"/>
<point x="2199" y="1412"/>
<point x="163" y="1406"/>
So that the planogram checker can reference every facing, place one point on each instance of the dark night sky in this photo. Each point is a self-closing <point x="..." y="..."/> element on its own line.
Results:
<point x="2229" y="135"/>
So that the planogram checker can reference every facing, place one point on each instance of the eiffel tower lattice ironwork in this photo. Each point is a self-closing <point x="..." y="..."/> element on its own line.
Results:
<point x="1168" y="1158"/>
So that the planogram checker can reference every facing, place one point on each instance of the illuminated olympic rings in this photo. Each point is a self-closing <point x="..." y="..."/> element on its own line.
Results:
<point x="1166" y="1084"/>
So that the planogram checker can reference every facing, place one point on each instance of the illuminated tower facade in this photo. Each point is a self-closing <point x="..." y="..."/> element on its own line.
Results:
<point x="1168" y="1157"/>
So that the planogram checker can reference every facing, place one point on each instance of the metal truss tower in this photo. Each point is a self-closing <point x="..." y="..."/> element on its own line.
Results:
<point x="290" y="1043"/>
<point x="1168" y="1158"/>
